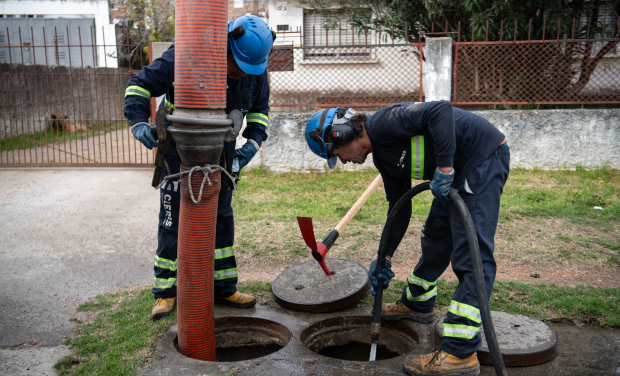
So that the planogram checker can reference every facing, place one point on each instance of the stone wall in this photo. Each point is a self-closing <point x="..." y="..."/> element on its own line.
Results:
<point x="537" y="139"/>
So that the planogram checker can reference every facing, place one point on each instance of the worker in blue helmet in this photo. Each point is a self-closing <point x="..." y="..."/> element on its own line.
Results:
<point x="452" y="148"/>
<point x="249" y="42"/>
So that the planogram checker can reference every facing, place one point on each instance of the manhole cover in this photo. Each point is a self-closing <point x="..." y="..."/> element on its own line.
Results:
<point x="523" y="341"/>
<point x="305" y="287"/>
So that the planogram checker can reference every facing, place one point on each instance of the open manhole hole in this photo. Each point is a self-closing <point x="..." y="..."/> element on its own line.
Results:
<point x="243" y="338"/>
<point x="348" y="338"/>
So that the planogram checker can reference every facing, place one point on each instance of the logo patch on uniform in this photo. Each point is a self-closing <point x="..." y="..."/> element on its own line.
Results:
<point x="401" y="163"/>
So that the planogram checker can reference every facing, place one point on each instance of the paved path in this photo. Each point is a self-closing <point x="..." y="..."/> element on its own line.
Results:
<point x="66" y="236"/>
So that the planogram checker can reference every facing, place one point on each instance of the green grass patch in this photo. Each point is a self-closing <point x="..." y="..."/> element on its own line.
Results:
<point x="37" y="139"/>
<point x="120" y="338"/>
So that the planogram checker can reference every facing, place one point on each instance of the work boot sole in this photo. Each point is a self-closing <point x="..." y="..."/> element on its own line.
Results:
<point x="422" y="319"/>
<point x="160" y="315"/>
<point x="249" y="304"/>
<point x="457" y="372"/>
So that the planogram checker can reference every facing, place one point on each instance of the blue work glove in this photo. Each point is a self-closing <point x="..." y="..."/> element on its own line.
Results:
<point x="384" y="277"/>
<point x="440" y="186"/>
<point x="146" y="134"/>
<point x="246" y="153"/>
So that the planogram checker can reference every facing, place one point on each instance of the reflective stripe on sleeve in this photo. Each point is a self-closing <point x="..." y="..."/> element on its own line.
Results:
<point x="422" y="298"/>
<point x="460" y="331"/>
<point x="137" y="90"/>
<point x="221" y="253"/>
<point x="257" y="117"/>
<point x="169" y="104"/>
<point x="162" y="283"/>
<point x="163" y="263"/>
<point x="417" y="157"/>
<point x="225" y="274"/>
<point x="415" y="280"/>
<point x="464" y="310"/>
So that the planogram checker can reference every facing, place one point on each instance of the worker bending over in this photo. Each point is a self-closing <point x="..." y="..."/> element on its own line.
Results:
<point x="249" y="42"/>
<point x="453" y="148"/>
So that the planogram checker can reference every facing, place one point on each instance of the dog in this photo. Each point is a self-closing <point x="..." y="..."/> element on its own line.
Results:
<point x="61" y="123"/>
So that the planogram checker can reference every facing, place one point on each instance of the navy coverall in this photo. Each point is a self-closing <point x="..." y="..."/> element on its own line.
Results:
<point x="158" y="79"/>
<point x="409" y="141"/>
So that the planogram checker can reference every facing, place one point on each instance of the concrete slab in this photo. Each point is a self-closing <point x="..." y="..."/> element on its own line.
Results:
<point x="305" y="287"/>
<point x="30" y="361"/>
<point x="584" y="350"/>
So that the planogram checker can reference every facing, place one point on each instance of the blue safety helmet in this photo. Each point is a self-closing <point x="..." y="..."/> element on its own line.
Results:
<point x="250" y="41"/>
<point x="321" y="120"/>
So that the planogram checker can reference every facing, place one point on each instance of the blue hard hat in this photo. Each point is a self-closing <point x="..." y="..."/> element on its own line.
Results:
<point x="321" y="120"/>
<point x="250" y="41"/>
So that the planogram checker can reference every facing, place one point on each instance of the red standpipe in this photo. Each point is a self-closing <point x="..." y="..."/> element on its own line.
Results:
<point x="200" y="84"/>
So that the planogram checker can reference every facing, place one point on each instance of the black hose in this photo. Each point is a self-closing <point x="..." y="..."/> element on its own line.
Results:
<point x="474" y="249"/>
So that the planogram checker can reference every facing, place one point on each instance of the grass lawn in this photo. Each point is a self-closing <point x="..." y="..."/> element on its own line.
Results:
<point x="548" y="224"/>
<point x="34" y="140"/>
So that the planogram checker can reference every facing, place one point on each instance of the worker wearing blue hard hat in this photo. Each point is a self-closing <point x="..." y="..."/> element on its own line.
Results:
<point x="454" y="149"/>
<point x="249" y="42"/>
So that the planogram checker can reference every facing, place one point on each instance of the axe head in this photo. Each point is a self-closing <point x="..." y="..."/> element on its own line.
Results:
<point x="318" y="251"/>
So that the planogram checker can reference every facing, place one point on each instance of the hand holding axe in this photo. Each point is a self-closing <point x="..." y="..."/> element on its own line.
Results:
<point x="307" y="230"/>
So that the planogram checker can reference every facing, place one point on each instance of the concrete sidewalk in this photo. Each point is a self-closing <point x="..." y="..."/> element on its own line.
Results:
<point x="66" y="236"/>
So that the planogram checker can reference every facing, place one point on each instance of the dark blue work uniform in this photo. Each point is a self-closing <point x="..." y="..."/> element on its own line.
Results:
<point x="409" y="141"/>
<point x="158" y="79"/>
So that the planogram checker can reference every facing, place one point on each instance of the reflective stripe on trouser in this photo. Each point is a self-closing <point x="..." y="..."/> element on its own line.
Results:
<point x="444" y="241"/>
<point x="417" y="157"/>
<point x="423" y="290"/>
<point x="167" y="235"/>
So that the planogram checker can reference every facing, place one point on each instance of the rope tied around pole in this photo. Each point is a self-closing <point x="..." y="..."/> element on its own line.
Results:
<point x="206" y="170"/>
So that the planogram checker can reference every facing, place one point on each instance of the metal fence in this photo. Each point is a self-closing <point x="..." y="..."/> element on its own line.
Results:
<point x="59" y="113"/>
<point x="58" y="110"/>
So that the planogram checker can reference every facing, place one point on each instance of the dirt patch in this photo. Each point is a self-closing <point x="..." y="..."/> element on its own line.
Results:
<point x="556" y="250"/>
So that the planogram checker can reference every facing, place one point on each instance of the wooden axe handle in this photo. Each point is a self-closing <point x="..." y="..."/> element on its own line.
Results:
<point x="358" y="205"/>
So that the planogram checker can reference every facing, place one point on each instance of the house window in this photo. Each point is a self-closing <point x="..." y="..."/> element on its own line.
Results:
<point x="339" y="30"/>
<point x="238" y="3"/>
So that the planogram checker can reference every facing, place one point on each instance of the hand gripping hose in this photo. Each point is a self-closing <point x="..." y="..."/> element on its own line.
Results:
<point x="474" y="249"/>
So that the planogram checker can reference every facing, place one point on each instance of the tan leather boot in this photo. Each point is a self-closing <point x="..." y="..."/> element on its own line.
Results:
<point x="439" y="362"/>
<point x="398" y="311"/>
<point x="163" y="307"/>
<point x="238" y="300"/>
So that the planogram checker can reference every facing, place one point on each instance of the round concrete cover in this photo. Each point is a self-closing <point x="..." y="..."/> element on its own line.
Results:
<point x="522" y="340"/>
<point x="305" y="287"/>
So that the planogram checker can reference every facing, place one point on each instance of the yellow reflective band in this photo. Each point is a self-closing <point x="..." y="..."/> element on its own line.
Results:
<point x="163" y="263"/>
<point x="169" y="104"/>
<point x="137" y="90"/>
<point x="163" y="283"/>
<point x="257" y="117"/>
<point x="460" y="331"/>
<point x="225" y="274"/>
<point x="417" y="158"/>
<point x="422" y="298"/>
<point x="221" y="253"/>
<point x="464" y="310"/>
<point x="415" y="280"/>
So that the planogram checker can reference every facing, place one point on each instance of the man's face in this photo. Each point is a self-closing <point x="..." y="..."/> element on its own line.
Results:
<point x="352" y="152"/>
<point x="234" y="72"/>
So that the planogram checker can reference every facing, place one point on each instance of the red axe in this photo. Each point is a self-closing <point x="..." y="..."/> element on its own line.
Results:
<point x="307" y="230"/>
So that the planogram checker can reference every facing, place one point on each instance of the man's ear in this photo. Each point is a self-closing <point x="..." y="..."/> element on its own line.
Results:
<point x="53" y="116"/>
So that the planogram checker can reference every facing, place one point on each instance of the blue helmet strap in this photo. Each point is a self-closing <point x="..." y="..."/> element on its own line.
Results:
<point x="321" y="123"/>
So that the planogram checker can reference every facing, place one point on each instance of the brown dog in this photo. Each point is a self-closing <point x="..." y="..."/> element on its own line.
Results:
<point x="61" y="123"/>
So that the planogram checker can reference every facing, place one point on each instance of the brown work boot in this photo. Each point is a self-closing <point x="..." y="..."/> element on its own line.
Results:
<point x="398" y="311"/>
<point x="163" y="307"/>
<point x="439" y="362"/>
<point x="238" y="300"/>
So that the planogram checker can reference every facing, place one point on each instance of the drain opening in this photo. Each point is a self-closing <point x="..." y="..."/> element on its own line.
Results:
<point x="348" y="338"/>
<point x="244" y="338"/>
<point x="357" y="351"/>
